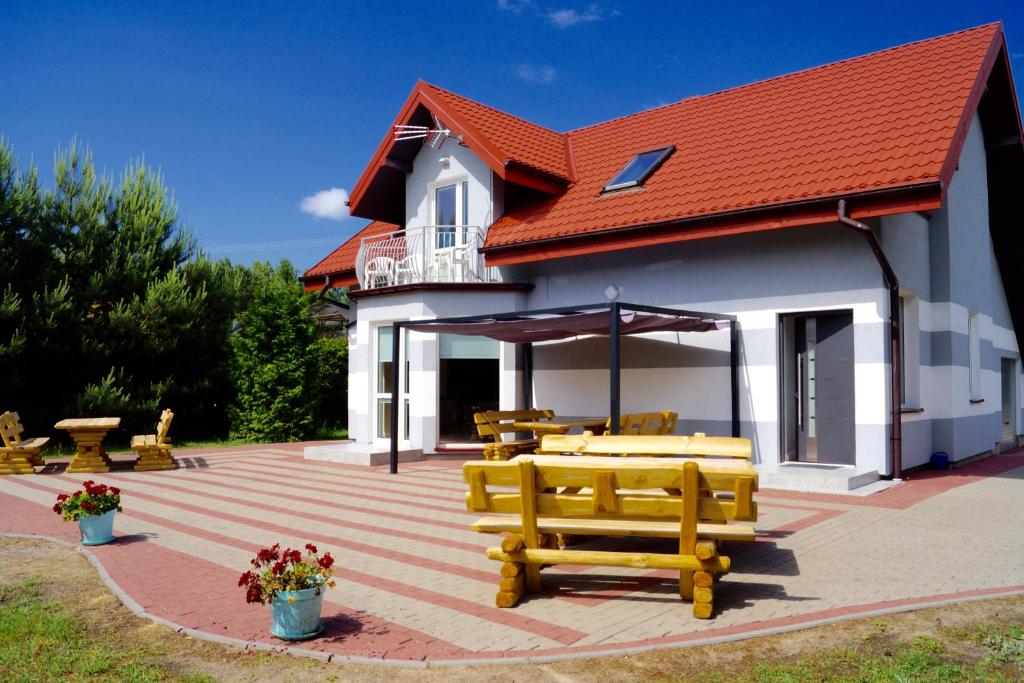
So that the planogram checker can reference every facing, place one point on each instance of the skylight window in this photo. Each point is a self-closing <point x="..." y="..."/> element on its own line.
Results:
<point x="639" y="168"/>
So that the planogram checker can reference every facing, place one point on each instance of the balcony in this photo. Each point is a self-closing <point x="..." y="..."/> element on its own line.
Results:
<point x="422" y="255"/>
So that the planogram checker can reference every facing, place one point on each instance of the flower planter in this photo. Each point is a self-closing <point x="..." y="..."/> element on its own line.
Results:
<point x="97" y="529"/>
<point x="296" y="614"/>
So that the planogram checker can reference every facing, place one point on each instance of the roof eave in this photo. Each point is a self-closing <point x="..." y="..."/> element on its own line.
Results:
<point x="924" y="196"/>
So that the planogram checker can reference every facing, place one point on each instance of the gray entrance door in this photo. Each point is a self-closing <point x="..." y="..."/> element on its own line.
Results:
<point x="1009" y="382"/>
<point x="826" y="426"/>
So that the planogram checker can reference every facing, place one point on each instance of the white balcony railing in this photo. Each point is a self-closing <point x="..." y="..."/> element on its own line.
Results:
<point x="430" y="253"/>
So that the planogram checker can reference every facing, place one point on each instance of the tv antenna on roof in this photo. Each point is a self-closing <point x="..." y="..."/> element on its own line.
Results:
<point x="435" y="135"/>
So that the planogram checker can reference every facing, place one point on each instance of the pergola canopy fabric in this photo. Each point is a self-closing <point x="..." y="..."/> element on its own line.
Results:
<point x="528" y="330"/>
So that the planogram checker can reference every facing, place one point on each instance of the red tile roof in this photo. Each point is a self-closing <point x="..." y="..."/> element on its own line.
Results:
<point x="886" y="120"/>
<point x="340" y="264"/>
<point x="522" y="142"/>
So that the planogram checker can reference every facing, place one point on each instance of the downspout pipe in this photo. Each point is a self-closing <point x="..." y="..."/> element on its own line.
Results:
<point x="893" y="283"/>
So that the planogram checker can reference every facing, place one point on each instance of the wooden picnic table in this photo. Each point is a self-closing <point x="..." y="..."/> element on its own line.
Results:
<point x="557" y="426"/>
<point x="88" y="434"/>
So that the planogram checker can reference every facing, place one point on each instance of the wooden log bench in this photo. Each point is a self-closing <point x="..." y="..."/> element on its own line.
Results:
<point x="601" y="496"/>
<point x="696" y="446"/>
<point x="155" y="449"/>
<point x="19" y="456"/>
<point x="492" y="425"/>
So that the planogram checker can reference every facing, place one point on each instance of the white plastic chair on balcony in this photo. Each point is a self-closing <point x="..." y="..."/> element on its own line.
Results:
<point x="451" y="264"/>
<point x="407" y="270"/>
<point x="380" y="272"/>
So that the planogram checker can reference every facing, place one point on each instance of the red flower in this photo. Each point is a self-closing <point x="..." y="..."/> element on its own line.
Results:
<point x="326" y="561"/>
<point x="292" y="556"/>
<point x="88" y="506"/>
<point x="56" y="507"/>
<point x="246" y="578"/>
<point x="311" y="548"/>
<point x="278" y="567"/>
<point x="253" y="594"/>
<point x="116" y="491"/>
<point x="62" y="497"/>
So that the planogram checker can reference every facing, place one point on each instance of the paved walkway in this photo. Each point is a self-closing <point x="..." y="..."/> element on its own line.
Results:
<point x="414" y="584"/>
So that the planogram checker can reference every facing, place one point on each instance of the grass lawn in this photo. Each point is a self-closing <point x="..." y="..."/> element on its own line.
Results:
<point x="58" y="622"/>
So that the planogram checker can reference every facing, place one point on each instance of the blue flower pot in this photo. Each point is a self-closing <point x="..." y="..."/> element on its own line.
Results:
<point x="296" y="614"/>
<point x="97" y="529"/>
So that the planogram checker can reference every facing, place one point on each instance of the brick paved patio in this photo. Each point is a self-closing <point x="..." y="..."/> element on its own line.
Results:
<point x="414" y="584"/>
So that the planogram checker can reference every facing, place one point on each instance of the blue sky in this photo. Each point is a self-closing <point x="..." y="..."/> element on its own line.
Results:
<point x="248" y="108"/>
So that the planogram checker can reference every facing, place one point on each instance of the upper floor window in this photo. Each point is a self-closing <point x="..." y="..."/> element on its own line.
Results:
<point x="910" y="344"/>
<point x="451" y="208"/>
<point x="639" y="168"/>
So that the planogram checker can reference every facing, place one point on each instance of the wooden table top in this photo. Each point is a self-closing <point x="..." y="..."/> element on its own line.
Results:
<point x="560" y="425"/>
<point x="89" y="423"/>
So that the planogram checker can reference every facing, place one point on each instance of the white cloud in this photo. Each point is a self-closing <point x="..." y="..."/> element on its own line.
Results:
<point x="536" y="74"/>
<point x="564" y="18"/>
<point x="514" y="6"/>
<point x="329" y="204"/>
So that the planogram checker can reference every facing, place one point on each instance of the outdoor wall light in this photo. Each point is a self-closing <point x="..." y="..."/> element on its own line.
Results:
<point x="445" y="161"/>
<point x="611" y="293"/>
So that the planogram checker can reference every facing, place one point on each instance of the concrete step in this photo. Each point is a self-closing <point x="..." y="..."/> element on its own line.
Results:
<point x="352" y="453"/>
<point x="815" y="478"/>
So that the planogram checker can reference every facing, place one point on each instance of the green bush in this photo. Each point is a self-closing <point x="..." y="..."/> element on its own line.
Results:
<point x="275" y="360"/>
<point x="332" y="382"/>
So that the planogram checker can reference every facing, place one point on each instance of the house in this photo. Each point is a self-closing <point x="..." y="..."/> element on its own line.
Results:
<point x="818" y="207"/>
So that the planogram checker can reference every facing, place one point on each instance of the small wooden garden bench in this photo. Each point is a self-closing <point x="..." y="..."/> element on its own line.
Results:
<point x="493" y="424"/>
<point x="625" y="498"/>
<point x="19" y="456"/>
<point x="155" y="449"/>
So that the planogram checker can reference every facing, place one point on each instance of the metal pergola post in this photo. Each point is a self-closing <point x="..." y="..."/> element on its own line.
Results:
<point x="734" y="375"/>
<point x="613" y="368"/>
<point x="527" y="375"/>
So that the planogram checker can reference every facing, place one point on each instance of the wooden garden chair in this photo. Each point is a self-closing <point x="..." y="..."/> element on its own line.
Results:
<point x="19" y="456"/>
<point x="155" y="449"/>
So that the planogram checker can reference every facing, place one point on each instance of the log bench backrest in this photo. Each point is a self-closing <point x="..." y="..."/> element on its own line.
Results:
<point x="629" y="489"/>
<point x="493" y="423"/>
<point x="656" y="445"/>
<point x="163" y="426"/>
<point x="11" y="429"/>
<point x="645" y="423"/>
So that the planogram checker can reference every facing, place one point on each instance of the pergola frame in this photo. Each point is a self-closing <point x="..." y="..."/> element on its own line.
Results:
<point x="614" y="309"/>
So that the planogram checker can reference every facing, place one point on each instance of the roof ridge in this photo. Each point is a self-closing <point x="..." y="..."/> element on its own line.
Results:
<point x="752" y="84"/>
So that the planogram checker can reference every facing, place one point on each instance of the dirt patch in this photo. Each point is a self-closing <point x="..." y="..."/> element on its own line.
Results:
<point x="68" y="579"/>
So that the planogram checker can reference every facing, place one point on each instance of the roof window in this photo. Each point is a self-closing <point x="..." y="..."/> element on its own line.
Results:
<point x="639" y="168"/>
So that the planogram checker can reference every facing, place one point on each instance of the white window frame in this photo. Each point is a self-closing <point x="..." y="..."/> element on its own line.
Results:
<point x="974" y="356"/>
<point x="910" y="350"/>
<point x="461" y="184"/>
<point x="404" y="418"/>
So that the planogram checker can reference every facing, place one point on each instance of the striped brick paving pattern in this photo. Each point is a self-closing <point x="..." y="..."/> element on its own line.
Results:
<point x="414" y="583"/>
